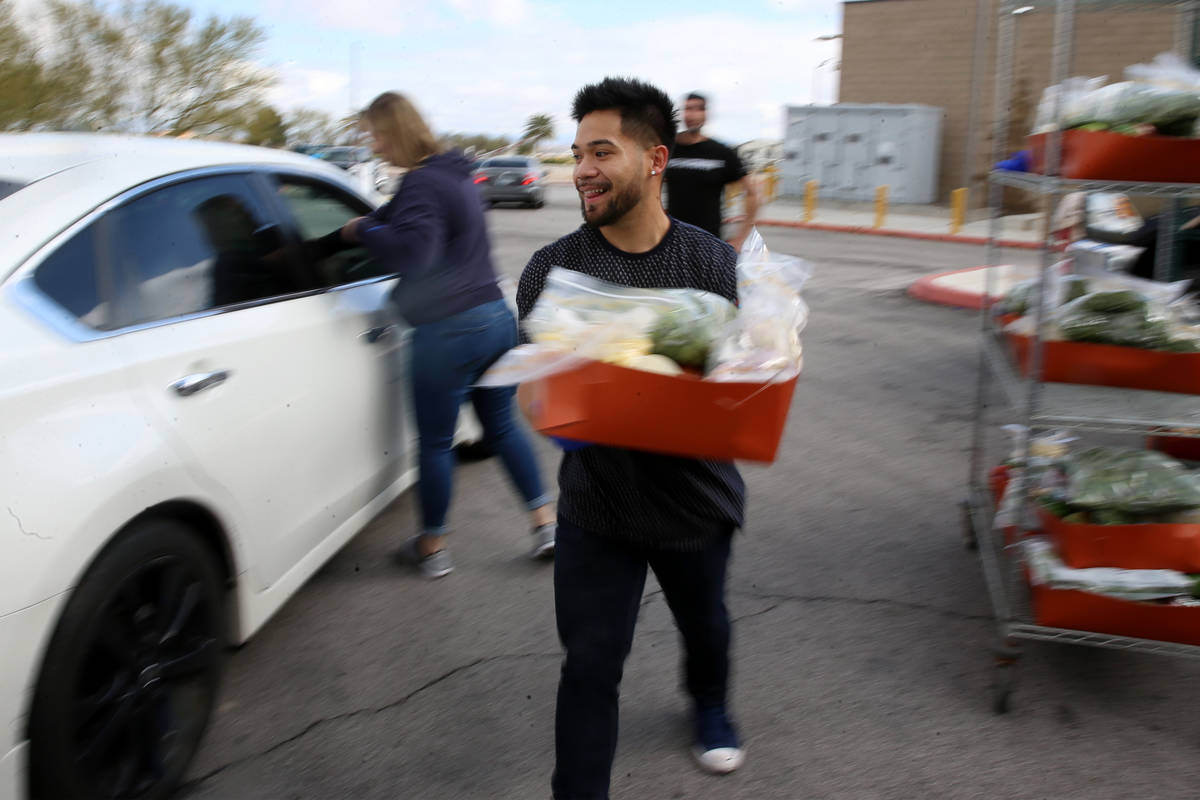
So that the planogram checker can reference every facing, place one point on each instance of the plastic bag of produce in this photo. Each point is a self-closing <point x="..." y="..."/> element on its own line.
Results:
<point x="579" y="318"/>
<point x="1047" y="569"/>
<point x="762" y="343"/>
<point x="1127" y="318"/>
<point x="595" y="319"/>
<point x="1129" y="481"/>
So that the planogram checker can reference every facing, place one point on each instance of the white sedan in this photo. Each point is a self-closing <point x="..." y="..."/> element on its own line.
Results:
<point x="199" y="405"/>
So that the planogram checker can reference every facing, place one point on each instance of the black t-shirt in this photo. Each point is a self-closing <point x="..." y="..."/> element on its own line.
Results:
<point x="658" y="501"/>
<point x="696" y="178"/>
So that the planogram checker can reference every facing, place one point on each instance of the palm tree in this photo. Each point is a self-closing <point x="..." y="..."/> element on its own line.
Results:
<point x="539" y="127"/>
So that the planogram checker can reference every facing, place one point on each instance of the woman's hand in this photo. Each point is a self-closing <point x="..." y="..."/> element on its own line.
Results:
<point x="350" y="230"/>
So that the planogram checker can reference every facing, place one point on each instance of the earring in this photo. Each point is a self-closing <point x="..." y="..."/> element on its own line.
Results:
<point x="653" y="172"/>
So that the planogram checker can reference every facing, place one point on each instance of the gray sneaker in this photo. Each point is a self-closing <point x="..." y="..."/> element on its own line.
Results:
<point x="543" y="541"/>
<point x="434" y="565"/>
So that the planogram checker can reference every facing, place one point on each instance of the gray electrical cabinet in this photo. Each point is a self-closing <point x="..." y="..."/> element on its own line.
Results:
<point x="850" y="150"/>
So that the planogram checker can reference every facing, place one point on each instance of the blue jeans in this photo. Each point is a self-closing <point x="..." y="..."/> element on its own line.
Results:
<point x="598" y="583"/>
<point x="448" y="357"/>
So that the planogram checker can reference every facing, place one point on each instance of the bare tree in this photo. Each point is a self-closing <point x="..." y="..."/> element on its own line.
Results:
<point x="143" y="66"/>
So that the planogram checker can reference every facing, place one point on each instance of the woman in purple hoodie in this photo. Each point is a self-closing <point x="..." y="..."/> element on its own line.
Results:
<point x="432" y="234"/>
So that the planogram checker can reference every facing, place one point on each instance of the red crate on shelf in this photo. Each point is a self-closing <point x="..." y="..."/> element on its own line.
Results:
<point x="1141" y="546"/>
<point x="1082" y="611"/>
<point x="1106" y="156"/>
<point x="1109" y="365"/>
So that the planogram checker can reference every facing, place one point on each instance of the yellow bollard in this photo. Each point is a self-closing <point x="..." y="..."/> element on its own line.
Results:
<point x="881" y="205"/>
<point x="958" y="210"/>
<point x="810" y="200"/>
<point x="772" y="189"/>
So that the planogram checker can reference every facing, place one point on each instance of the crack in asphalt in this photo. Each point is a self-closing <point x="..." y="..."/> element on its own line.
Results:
<point x="193" y="784"/>
<point x="864" y="601"/>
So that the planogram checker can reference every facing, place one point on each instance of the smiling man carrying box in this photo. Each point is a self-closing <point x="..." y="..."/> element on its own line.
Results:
<point x="623" y="511"/>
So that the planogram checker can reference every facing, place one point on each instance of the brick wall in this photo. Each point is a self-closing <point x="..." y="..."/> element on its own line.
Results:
<point x="922" y="51"/>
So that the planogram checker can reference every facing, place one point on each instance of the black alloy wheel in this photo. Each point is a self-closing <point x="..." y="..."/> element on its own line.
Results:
<point x="130" y="676"/>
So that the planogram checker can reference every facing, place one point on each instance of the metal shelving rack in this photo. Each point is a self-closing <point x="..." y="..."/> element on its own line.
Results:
<point x="1041" y="406"/>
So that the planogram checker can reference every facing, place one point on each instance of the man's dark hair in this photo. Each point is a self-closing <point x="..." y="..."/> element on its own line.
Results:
<point x="697" y="96"/>
<point x="647" y="114"/>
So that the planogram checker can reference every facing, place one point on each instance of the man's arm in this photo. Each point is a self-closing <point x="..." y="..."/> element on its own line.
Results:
<point x="750" y="211"/>
<point x="529" y="288"/>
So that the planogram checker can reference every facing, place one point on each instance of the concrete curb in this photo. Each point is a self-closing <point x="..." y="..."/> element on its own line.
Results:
<point x="932" y="237"/>
<point x="929" y="290"/>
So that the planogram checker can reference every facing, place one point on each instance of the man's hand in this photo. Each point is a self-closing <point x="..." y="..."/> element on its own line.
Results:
<point x="750" y="203"/>
<point x="526" y="400"/>
<point x="350" y="230"/>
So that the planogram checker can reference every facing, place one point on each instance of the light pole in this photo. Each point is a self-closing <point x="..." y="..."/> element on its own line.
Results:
<point x="829" y="37"/>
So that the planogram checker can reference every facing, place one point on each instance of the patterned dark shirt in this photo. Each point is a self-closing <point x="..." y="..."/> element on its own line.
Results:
<point x="652" y="500"/>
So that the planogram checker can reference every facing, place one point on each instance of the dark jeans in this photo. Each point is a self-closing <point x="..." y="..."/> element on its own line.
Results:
<point x="448" y="357"/>
<point x="598" y="583"/>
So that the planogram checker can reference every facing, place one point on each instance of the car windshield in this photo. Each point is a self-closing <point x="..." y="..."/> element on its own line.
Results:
<point x="504" y="162"/>
<point x="339" y="153"/>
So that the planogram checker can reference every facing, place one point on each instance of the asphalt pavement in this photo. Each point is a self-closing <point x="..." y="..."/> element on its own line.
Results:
<point x="862" y="634"/>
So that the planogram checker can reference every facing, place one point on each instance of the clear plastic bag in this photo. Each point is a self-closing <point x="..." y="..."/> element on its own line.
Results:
<point x="578" y="317"/>
<point x="603" y="321"/>
<point x="762" y="344"/>
<point x="1047" y="569"/>
<point x="1161" y="97"/>
<point x="1129" y="481"/>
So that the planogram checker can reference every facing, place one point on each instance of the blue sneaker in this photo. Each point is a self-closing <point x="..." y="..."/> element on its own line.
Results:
<point x="716" y="749"/>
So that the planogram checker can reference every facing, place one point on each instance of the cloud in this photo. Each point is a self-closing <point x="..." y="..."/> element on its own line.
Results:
<point x="484" y="81"/>
<point x="501" y="13"/>
<point x="310" y="88"/>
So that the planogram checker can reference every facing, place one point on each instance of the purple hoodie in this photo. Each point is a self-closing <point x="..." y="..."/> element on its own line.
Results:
<point x="433" y="235"/>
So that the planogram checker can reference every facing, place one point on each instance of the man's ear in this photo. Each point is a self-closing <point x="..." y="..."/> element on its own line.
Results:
<point x="659" y="155"/>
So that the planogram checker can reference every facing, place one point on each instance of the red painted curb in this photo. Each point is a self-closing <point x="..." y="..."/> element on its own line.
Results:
<point x="930" y="291"/>
<point x="933" y="237"/>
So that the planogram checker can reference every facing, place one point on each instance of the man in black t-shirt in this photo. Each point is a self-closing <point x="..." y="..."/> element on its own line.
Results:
<point x="622" y="511"/>
<point x="698" y="172"/>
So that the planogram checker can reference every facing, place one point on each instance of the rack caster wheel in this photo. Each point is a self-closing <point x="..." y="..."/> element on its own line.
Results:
<point x="1004" y="675"/>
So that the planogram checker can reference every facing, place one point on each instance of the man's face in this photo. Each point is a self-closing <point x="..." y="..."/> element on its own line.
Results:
<point x="694" y="115"/>
<point x="610" y="169"/>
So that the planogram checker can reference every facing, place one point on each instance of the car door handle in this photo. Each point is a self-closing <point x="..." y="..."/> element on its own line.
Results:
<point x="191" y="384"/>
<point x="376" y="334"/>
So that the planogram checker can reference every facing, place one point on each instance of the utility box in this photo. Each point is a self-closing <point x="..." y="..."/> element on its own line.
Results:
<point x="850" y="150"/>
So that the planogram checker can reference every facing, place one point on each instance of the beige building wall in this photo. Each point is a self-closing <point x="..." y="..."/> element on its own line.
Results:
<point x="924" y="51"/>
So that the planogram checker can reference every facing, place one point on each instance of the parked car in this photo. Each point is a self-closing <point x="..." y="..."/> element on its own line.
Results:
<point x="198" y="407"/>
<point x="512" y="179"/>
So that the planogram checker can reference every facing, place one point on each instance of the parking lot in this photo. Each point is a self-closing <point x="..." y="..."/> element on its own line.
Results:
<point x="862" y="628"/>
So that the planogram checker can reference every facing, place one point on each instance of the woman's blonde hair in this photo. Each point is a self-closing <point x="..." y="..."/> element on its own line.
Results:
<point x="404" y="137"/>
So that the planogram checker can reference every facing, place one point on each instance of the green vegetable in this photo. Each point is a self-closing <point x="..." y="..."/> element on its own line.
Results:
<point x="1122" y="300"/>
<point x="1056" y="507"/>
<point x="685" y="336"/>
<point x="1074" y="287"/>
<point x="1129" y="482"/>
<point x="1020" y="298"/>
<point x="1109" y="517"/>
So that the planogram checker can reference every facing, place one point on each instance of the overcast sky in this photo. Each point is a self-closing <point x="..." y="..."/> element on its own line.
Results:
<point x="484" y="66"/>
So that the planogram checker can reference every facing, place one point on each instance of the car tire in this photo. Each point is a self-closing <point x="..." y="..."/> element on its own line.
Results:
<point x="130" y="676"/>
<point x="468" y="452"/>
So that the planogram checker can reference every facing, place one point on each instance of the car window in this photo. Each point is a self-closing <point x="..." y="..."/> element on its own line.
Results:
<point x="68" y="276"/>
<point x="195" y="246"/>
<point x="510" y="163"/>
<point x="319" y="211"/>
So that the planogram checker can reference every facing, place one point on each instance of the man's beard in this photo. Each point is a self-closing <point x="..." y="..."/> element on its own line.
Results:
<point x="619" y="204"/>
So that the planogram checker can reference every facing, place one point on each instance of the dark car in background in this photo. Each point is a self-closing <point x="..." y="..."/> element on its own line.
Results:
<point x="512" y="179"/>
